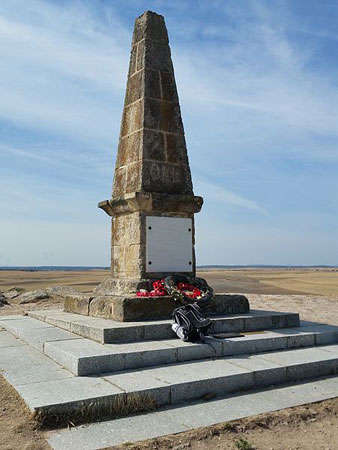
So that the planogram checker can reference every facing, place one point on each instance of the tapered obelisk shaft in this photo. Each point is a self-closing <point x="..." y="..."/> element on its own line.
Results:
<point x="152" y="190"/>
<point x="152" y="154"/>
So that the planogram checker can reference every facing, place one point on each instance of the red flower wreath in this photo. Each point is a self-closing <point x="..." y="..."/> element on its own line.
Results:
<point x="159" y="290"/>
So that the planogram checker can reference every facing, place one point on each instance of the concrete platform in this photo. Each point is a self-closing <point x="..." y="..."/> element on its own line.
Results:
<point x="110" y="331"/>
<point x="173" y="420"/>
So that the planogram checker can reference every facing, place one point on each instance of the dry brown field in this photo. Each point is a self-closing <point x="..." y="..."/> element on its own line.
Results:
<point x="246" y="281"/>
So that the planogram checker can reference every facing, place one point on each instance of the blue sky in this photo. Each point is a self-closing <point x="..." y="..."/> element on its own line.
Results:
<point x="258" y="86"/>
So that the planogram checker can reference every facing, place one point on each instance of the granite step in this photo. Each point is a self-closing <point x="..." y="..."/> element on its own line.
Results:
<point x="84" y="357"/>
<point x="192" y="415"/>
<point x="109" y="331"/>
<point x="53" y="392"/>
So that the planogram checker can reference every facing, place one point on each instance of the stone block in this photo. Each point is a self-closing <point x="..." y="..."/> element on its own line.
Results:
<point x="77" y="304"/>
<point x="129" y="149"/>
<point x="133" y="260"/>
<point x="36" y="374"/>
<point x="229" y="304"/>
<point x="133" y="177"/>
<point x="142" y="384"/>
<point x="87" y="331"/>
<point x="119" y="286"/>
<point x="164" y="178"/>
<point x="227" y="325"/>
<point x="324" y="334"/>
<point x="305" y="362"/>
<point x="253" y="344"/>
<point x="58" y="397"/>
<point x="175" y="150"/>
<point x="131" y="309"/>
<point x="155" y="55"/>
<point x="187" y="351"/>
<point x="168" y="86"/>
<point x="150" y="26"/>
<point x="301" y="340"/>
<point x="160" y="330"/>
<point x="132" y="118"/>
<point x="118" y="259"/>
<point x="288" y="320"/>
<point x="12" y="317"/>
<point x="147" y="354"/>
<point x="25" y="323"/>
<point x="332" y="349"/>
<point x="195" y="380"/>
<point x="7" y="340"/>
<point x="126" y="229"/>
<point x="119" y="187"/>
<point x="20" y="357"/>
<point x="60" y="322"/>
<point x="132" y="61"/>
<point x="257" y="323"/>
<point x="37" y="338"/>
<point x="101" y="306"/>
<point x="153" y="144"/>
<point x="135" y="88"/>
<point x="151" y="82"/>
<point x="84" y="357"/>
<point x="265" y="373"/>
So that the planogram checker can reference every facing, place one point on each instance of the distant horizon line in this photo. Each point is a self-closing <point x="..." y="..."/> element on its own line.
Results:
<point x="202" y="266"/>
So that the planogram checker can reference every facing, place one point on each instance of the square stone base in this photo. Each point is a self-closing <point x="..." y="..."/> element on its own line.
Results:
<point x="131" y="309"/>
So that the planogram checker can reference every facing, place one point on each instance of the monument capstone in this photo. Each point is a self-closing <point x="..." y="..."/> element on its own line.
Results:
<point x="153" y="203"/>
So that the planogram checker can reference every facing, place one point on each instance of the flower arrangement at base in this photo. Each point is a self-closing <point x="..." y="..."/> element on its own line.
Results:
<point x="181" y="288"/>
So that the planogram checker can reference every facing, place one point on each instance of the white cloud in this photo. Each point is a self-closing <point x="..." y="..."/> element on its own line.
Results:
<point x="61" y="72"/>
<point x="219" y="195"/>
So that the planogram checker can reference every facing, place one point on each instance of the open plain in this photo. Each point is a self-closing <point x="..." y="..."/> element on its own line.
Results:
<point x="311" y="292"/>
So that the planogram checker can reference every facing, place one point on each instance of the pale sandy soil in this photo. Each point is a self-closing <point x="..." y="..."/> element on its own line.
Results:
<point x="312" y="293"/>
<point x="83" y="281"/>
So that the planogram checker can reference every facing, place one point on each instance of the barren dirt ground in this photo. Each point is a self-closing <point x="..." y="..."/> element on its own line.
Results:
<point x="312" y="293"/>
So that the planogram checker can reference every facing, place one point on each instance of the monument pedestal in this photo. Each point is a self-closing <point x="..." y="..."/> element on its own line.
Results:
<point x="133" y="309"/>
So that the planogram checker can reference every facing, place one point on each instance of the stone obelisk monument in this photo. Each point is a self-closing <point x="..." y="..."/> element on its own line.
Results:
<point x="153" y="203"/>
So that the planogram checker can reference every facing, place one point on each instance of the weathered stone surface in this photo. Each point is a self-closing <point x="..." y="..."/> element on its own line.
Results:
<point x="13" y="292"/>
<point x="101" y="307"/>
<point x="78" y="304"/>
<point x="31" y="297"/>
<point x="3" y="300"/>
<point x="131" y="308"/>
<point x="61" y="291"/>
<point x="152" y="174"/>
<point x="111" y="286"/>
<point x="229" y="304"/>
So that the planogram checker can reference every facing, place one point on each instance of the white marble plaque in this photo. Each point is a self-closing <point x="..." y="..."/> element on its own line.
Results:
<point x="169" y="244"/>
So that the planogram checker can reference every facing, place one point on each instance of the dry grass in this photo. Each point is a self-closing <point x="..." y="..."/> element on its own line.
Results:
<point x="120" y="406"/>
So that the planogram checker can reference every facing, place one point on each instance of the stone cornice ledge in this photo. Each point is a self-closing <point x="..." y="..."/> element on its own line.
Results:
<point x="152" y="202"/>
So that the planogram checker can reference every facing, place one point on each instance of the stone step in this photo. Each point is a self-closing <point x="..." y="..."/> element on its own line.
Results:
<point x="85" y="357"/>
<point x="173" y="420"/>
<point x="53" y="392"/>
<point x="109" y="331"/>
